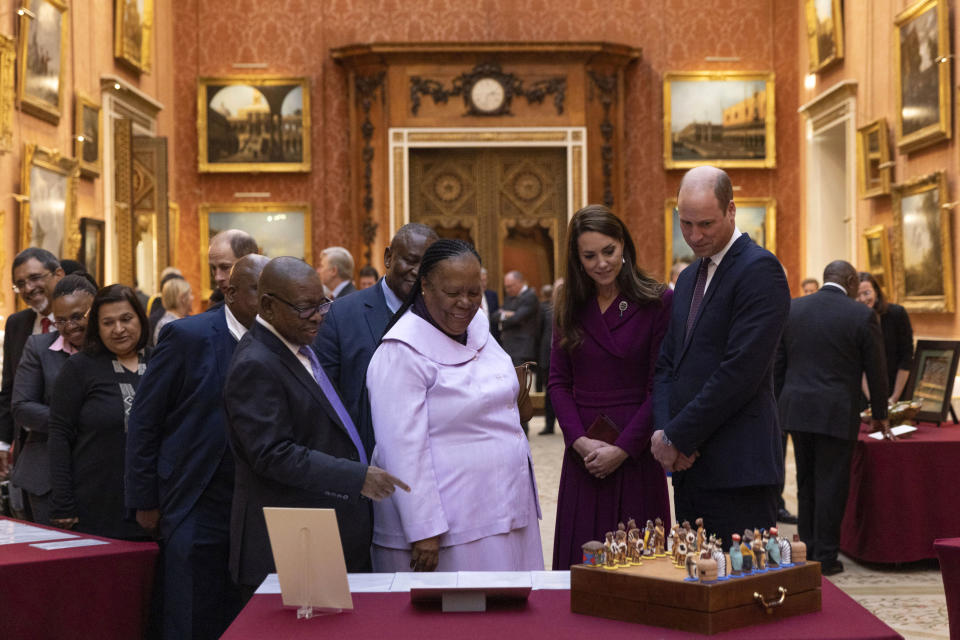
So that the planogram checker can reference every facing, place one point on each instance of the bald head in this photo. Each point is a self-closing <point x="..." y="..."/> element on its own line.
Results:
<point x="225" y="249"/>
<point x="707" y="178"/>
<point x="513" y="283"/>
<point x="842" y="273"/>
<point x="706" y="210"/>
<point x="241" y="294"/>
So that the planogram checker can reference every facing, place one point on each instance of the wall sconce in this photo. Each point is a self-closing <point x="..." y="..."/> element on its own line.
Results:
<point x="810" y="81"/>
<point x="23" y="11"/>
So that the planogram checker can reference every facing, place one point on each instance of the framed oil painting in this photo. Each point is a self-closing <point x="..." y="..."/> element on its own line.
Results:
<point x="44" y="39"/>
<point x="133" y="31"/>
<point x="8" y="62"/>
<point x="757" y="217"/>
<point x="87" y="140"/>
<point x="874" y="167"/>
<point x="723" y="118"/>
<point x="876" y="251"/>
<point x="91" y="254"/>
<point x="932" y="377"/>
<point x="280" y="229"/>
<point x="824" y="33"/>
<point x="48" y="214"/>
<point x="253" y="124"/>
<point x="922" y="59"/>
<point x="923" y="255"/>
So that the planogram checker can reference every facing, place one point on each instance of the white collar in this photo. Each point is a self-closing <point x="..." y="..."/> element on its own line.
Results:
<point x="337" y="289"/>
<point x="835" y="284"/>
<point x="393" y="300"/>
<point x="234" y="326"/>
<point x="294" y="348"/>
<point x="717" y="257"/>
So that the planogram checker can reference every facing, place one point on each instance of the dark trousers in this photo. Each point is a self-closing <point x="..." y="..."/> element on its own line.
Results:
<point x="39" y="507"/>
<point x="727" y="511"/>
<point x="199" y="598"/>
<point x="780" y="502"/>
<point x="823" y="480"/>
<point x="549" y="415"/>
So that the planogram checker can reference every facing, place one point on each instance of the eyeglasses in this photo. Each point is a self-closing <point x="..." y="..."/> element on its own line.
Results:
<point x="75" y="319"/>
<point x="34" y="279"/>
<point x="305" y="313"/>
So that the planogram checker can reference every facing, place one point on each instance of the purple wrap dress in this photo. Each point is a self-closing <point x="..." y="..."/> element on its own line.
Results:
<point x="610" y="372"/>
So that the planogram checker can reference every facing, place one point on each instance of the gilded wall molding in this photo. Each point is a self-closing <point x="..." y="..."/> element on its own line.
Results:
<point x="606" y="86"/>
<point x="367" y="88"/>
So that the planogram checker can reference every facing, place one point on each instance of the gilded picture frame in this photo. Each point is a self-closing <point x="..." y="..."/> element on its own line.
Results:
<point x="757" y="217"/>
<point x="922" y="63"/>
<point x="253" y="124"/>
<point x="92" y="248"/>
<point x="923" y="253"/>
<point x="280" y="229"/>
<point x="723" y="118"/>
<point x="8" y="65"/>
<point x="932" y="377"/>
<point x="824" y="33"/>
<point x="876" y="256"/>
<point x="874" y="167"/>
<point x="133" y="33"/>
<point x="173" y="231"/>
<point x="48" y="210"/>
<point x="42" y="51"/>
<point x="88" y="141"/>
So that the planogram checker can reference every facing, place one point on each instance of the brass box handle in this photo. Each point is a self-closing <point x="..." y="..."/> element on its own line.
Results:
<point x="770" y="606"/>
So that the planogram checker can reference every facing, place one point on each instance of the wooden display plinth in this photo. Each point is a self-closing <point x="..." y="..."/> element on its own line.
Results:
<point x="655" y="593"/>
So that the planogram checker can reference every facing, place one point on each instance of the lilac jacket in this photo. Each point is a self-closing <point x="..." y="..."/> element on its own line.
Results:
<point x="446" y="423"/>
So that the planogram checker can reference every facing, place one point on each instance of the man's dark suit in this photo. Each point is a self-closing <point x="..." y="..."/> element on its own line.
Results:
<point x="518" y="333"/>
<point x="713" y="393"/>
<point x="291" y="450"/>
<point x="348" y="289"/>
<point x="177" y="461"/>
<point x="493" y="305"/>
<point x="830" y="340"/>
<point x="18" y="328"/>
<point x="31" y="398"/>
<point x="345" y="343"/>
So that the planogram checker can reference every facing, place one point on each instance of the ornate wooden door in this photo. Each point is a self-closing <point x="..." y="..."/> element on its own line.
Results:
<point x="511" y="203"/>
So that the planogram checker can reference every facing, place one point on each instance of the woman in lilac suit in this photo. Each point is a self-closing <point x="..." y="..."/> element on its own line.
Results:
<point x="443" y="400"/>
<point x="610" y="319"/>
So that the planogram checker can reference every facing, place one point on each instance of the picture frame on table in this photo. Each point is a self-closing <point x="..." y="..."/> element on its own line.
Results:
<point x="48" y="204"/>
<point x="874" y="167"/>
<point x="922" y="63"/>
<point x="92" y="248"/>
<point x="280" y="229"/>
<point x="757" y="217"/>
<point x="42" y="53"/>
<point x="8" y="66"/>
<point x="932" y="377"/>
<point x="88" y="146"/>
<point x="876" y="251"/>
<point x="922" y="249"/>
<point x="253" y="124"/>
<point x="133" y="33"/>
<point x="824" y="33"/>
<point x="723" y="118"/>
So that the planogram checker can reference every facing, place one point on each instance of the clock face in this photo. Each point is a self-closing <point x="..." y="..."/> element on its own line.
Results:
<point x="487" y="95"/>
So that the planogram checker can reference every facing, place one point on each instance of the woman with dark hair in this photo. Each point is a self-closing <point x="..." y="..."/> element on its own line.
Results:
<point x="897" y="334"/>
<point x="610" y="319"/>
<point x="88" y="418"/>
<point x="43" y="357"/>
<point x="443" y="396"/>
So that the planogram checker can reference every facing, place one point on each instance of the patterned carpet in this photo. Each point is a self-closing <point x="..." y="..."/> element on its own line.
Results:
<point x="907" y="597"/>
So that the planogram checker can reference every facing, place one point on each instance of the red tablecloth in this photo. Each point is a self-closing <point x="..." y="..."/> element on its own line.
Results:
<point x="546" y="615"/>
<point x="949" y="553"/>
<point x="83" y="592"/>
<point x="902" y="496"/>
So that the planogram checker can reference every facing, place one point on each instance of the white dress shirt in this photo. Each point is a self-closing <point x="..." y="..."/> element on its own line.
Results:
<point x="717" y="257"/>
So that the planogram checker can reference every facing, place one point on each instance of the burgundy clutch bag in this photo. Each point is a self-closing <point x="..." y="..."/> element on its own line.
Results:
<point x="603" y="428"/>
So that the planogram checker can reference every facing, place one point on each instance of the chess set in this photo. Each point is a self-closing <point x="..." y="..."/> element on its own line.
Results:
<point x="686" y="581"/>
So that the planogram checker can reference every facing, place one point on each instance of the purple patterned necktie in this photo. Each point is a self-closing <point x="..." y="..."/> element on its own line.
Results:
<point x="697" y="295"/>
<point x="334" y="399"/>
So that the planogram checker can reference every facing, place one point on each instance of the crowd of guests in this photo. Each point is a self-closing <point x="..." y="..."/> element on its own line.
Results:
<point x="396" y="403"/>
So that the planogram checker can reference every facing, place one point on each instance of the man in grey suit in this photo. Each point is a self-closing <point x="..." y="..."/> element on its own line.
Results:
<point x="829" y="342"/>
<point x="352" y="329"/>
<point x="519" y="324"/>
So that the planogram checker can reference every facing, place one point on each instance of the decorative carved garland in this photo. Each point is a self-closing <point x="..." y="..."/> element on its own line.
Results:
<point x="366" y="87"/>
<point x="607" y="86"/>
<point x="512" y="85"/>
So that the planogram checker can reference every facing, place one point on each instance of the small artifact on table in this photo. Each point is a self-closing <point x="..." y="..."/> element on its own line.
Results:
<point x="648" y="539"/>
<point x="675" y="544"/>
<point x="798" y="550"/>
<point x="785" y="554"/>
<point x="706" y="565"/>
<point x="736" y="557"/>
<point x="691" y="559"/>
<point x="773" y="549"/>
<point x="701" y="534"/>
<point x="903" y="412"/>
<point x="593" y="553"/>
<point x="660" y="540"/>
<point x="719" y="558"/>
<point x="759" y="553"/>
<point x="609" y="552"/>
<point x="680" y="553"/>
<point x="620" y="539"/>
<point x="746" y="550"/>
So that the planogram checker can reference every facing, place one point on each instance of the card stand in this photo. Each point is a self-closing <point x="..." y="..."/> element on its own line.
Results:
<point x="306" y="611"/>
<point x="463" y="601"/>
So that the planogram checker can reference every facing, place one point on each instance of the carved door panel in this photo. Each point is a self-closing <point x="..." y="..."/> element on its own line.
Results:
<point x="151" y="245"/>
<point x="511" y="203"/>
<point x="123" y="198"/>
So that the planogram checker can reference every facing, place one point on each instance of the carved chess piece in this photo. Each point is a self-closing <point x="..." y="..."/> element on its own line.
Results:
<point x="609" y="552"/>
<point x="648" y="535"/>
<point x="691" y="559"/>
<point x="746" y="551"/>
<point x="736" y="557"/>
<point x="701" y="534"/>
<point x="785" y="554"/>
<point x="592" y="553"/>
<point x="621" y="542"/>
<point x="706" y="566"/>
<point x="720" y="559"/>
<point x="773" y="548"/>
<point x="660" y="540"/>
<point x="798" y="550"/>
<point x="759" y="553"/>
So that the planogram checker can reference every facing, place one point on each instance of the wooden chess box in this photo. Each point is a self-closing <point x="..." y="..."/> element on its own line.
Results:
<point x="655" y="593"/>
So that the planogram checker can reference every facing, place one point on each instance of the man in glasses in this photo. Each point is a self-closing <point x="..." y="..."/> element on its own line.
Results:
<point x="187" y="497"/>
<point x="35" y="274"/>
<point x="294" y="443"/>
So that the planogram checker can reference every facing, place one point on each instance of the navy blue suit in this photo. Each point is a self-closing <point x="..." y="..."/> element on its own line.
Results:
<point x="349" y="335"/>
<point x="713" y="393"/>
<point x="177" y="460"/>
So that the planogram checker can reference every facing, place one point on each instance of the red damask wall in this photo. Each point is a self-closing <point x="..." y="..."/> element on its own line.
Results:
<point x="295" y="37"/>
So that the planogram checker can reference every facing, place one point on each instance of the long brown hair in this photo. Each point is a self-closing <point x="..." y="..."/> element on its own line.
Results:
<point x="578" y="288"/>
<point x="880" y="304"/>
